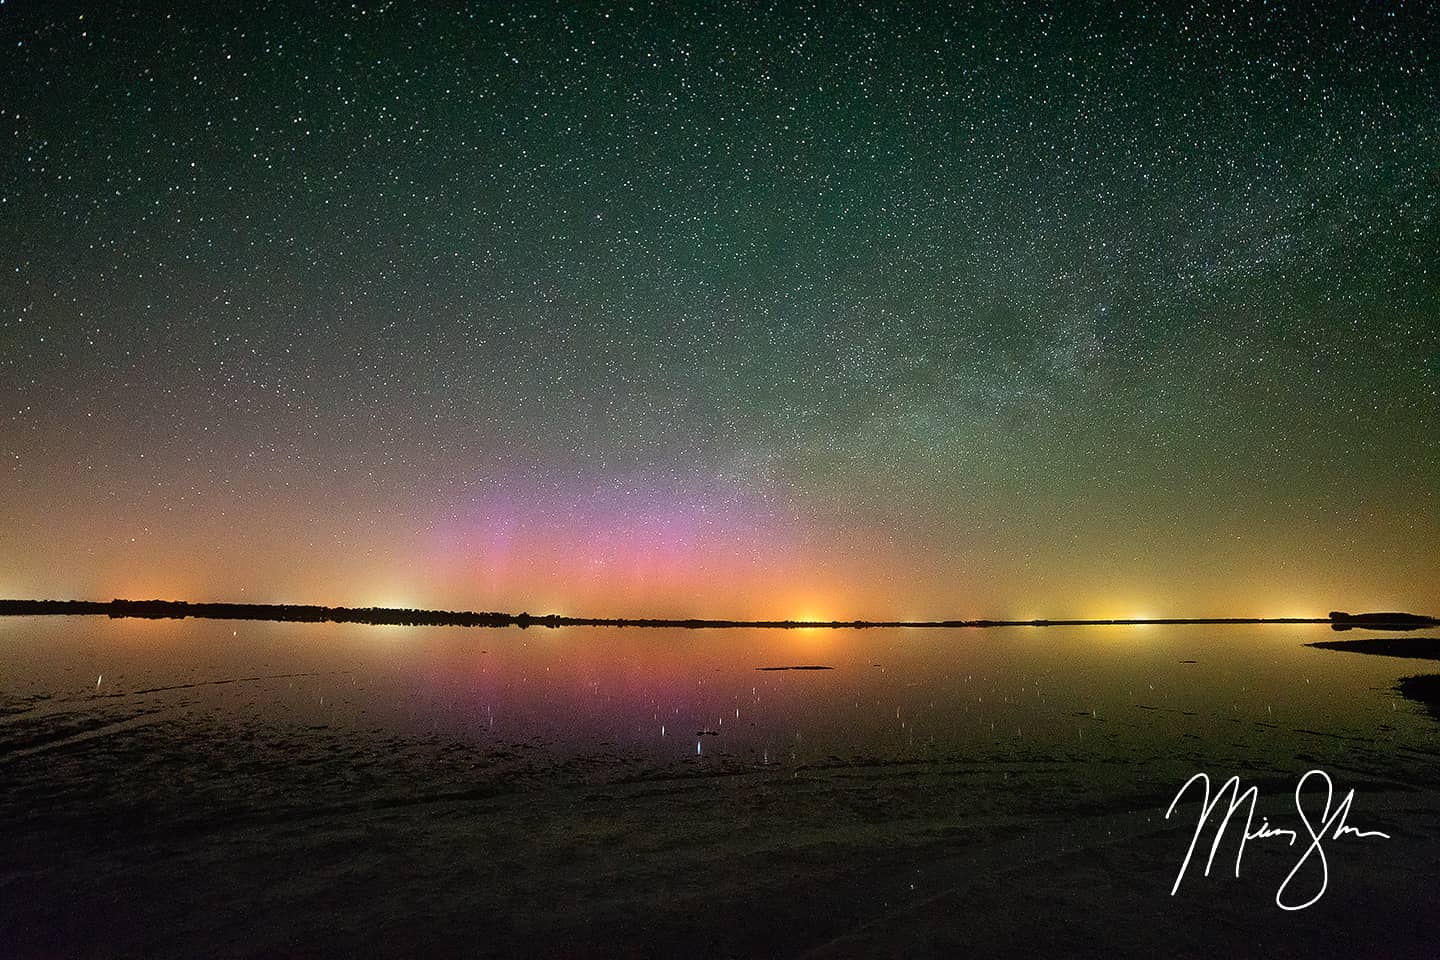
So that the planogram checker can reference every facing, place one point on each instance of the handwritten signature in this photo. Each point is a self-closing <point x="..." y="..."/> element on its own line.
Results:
<point x="1331" y="825"/>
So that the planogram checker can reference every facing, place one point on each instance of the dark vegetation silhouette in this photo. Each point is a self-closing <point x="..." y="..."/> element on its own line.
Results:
<point x="1414" y="648"/>
<point x="309" y="613"/>
<point x="1340" y="620"/>
<point x="1424" y="690"/>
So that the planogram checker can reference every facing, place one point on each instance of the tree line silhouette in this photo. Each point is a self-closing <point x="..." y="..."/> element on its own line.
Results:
<point x="393" y="616"/>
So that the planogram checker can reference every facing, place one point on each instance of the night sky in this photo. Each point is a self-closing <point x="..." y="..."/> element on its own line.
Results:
<point x="723" y="309"/>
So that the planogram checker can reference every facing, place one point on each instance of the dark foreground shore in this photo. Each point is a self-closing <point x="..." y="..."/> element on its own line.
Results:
<point x="1020" y="859"/>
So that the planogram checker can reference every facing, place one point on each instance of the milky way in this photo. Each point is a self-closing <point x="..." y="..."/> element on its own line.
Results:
<point x="723" y="309"/>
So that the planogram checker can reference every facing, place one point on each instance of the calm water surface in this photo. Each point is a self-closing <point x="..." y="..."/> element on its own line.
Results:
<point x="182" y="766"/>
<point x="662" y="697"/>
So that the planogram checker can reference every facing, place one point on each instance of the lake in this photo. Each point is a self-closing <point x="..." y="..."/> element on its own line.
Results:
<point x="219" y="788"/>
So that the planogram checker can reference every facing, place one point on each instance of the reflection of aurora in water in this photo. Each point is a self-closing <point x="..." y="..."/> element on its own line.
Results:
<point x="636" y="768"/>
<point x="811" y="695"/>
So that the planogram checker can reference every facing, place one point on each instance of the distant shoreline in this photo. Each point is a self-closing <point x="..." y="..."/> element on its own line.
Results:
<point x="389" y="616"/>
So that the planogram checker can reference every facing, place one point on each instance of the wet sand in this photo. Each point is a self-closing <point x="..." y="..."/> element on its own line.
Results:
<point x="845" y="862"/>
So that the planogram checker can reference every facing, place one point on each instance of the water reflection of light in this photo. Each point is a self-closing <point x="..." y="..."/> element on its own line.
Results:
<point x="809" y="637"/>
<point x="391" y="631"/>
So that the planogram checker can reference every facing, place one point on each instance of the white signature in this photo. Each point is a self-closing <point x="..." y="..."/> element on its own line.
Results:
<point x="1331" y="825"/>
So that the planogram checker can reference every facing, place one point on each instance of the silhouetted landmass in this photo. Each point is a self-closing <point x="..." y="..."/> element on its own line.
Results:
<point x="1340" y="620"/>
<point x="806" y="667"/>
<point x="305" y="613"/>
<point x="1423" y="689"/>
<point x="180" y="609"/>
<point x="1416" y="648"/>
<point x="30" y="608"/>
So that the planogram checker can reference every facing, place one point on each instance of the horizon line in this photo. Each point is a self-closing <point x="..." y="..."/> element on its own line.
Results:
<point x="405" y="616"/>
